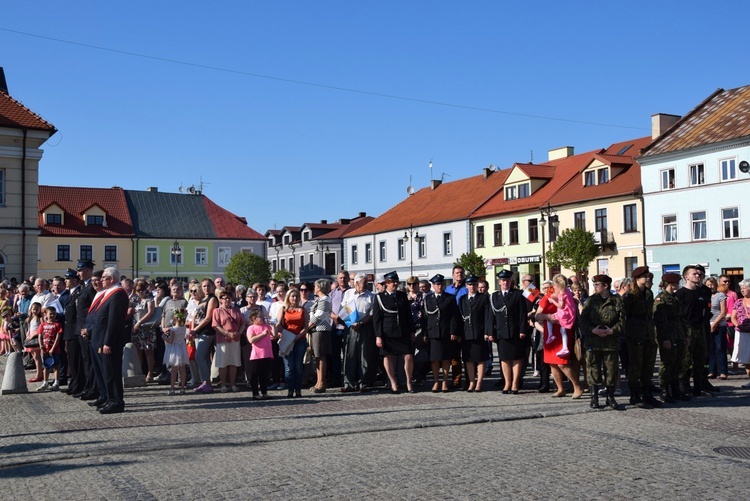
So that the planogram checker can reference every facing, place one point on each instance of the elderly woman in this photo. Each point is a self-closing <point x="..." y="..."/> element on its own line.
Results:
<point x="203" y="333"/>
<point x="601" y="323"/>
<point x="717" y="340"/>
<point x="557" y="315"/>
<point x="293" y="318"/>
<point x="229" y="325"/>
<point x="320" y="329"/>
<point x="741" y="321"/>
<point x="144" y="326"/>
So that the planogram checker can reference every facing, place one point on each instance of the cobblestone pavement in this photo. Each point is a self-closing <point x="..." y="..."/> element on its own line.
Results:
<point x="418" y="446"/>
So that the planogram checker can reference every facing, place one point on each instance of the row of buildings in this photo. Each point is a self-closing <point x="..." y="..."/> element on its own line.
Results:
<point x="664" y="200"/>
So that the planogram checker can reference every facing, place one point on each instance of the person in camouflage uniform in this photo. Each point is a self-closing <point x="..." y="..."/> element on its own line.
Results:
<point x="670" y="334"/>
<point x="601" y="323"/>
<point x="638" y="308"/>
<point x="695" y="305"/>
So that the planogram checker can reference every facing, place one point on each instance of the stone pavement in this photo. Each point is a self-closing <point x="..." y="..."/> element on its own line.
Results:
<point x="419" y="446"/>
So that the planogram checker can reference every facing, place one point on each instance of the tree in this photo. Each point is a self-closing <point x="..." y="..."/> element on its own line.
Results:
<point x="574" y="249"/>
<point x="283" y="276"/>
<point x="472" y="263"/>
<point x="246" y="269"/>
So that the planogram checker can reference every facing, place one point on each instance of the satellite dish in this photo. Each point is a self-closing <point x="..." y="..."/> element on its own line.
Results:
<point x="191" y="190"/>
<point x="745" y="166"/>
<point x="181" y="189"/>
<point x="104" y="223"/>
<point x="492" y="168"/>
<point x="410" y="190"/>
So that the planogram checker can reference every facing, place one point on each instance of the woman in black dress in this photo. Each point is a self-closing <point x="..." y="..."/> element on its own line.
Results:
<point x="441" y="327"/>
<point x="394" y="330"/>
<point x="509" y="312"/>
<point x="477" y="320"/>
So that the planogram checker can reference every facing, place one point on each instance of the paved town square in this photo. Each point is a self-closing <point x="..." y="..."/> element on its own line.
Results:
<point x="377" y="445"/>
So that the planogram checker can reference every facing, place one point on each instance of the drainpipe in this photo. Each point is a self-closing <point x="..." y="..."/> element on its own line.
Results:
<point x="23" y="205"/>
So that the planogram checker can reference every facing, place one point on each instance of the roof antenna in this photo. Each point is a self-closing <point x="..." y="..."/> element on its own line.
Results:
<point x="410" y="188"/>
<point x="430" y="171"/>
<point x="532" y="156"/>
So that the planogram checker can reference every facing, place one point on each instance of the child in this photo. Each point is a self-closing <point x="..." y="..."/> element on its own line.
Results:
<point x="175" y="350"/>
<point x="5" y="331"/>
<point x="33" y="321"/>
<point x="49" y="343"/>
<point x="260" y="335"/>
<point x="566" y="314"/>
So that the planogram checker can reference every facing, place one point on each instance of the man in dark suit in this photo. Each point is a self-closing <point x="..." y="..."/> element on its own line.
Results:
<point x="441" y="326"/>
<point x="110" y="310"/>
<point x="510" y="317"/>
<point x="70" y="334"/>
<point x="85" y="269"/>
<point x="477" y="328"/>
<point x="394" y="329"/>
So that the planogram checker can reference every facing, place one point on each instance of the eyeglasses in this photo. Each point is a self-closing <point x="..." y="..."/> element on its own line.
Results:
<point x="525" y="280"/>
<point x="412" y="283"/>
<point x="193" y="291"/>
<point x="304" y="290"/>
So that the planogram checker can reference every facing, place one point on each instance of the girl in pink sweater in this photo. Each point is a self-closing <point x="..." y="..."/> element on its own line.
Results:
<point x="563" y="299"/>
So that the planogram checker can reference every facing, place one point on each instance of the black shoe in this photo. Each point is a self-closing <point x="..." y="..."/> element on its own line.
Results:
<point x="290" y="394"/>
<point x="611" y="402"/>
<point x="594" y="397"/>
<point x="89" y="396"/>
<point x="649" y="399"/>
<point x="112" y="409"/>
<point x="98" y="402"/>
<point x="297" y="393"/>
<point x="706" y="386"/>
<point x="544" y="389"/>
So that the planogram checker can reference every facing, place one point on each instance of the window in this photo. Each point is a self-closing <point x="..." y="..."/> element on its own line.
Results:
<point x="381" y="247"/>
<point x="554" y="228"/>
<point x="497" y="229"/>
<point x="513" y="229"/>
<point x="274" y="267"/>
<point x="698" y="221"/>
<point x="401" y="249"/>
<point x="306" y="236"/>
<point x="510" y="193"/>
<point x="175" y="258"/>
<point x="201" y="256"/>
<point x="110" y="253"/>
<point x="368" y="253"/>
<point x="291" y="265"/>
<point x="600" y="219"/>
<point x="422" y="246"/>
<point x="223" y="255"/>
<point x="731" y="221"/>
<point x="523" y="190"/>
<point x="2" y="187"/>
<point x="603" y="175"/>
<point x="480" y="236"/>
<point x="670" y="228"/>
<point x="630" y="215"/>
<point x="447" y="244"/>
<point x="533" y="230"/>
<point x="589" y="178"/>
<point x="282" y="264"/>
<point x="631" y="263"/>
<point x="54" y="218"/>
<point x="152" y="255"/>
<point x="63" y="252"/>
<point x="95" y="220"/>
<point x="728" y="169"/>
<point x="310" y="260"/>
<point x="579" y="220"/>
<point x="667" y="179"/>
<point x="302" y="261"/>
<point x="330" y="263"/>
<point x="87" y="252"/>
<point x="696" y="175"/>
<point x="602" y="266"/>
<point x="354" y="254"/>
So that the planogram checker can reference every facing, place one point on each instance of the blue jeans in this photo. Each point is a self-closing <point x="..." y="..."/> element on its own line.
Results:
<point x="717" y="351"/>
<point x="293" y="365"/>
<point x="202" y="350"/>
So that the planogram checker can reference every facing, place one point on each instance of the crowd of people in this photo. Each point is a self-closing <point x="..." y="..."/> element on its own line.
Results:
<point x="341" y="334"/>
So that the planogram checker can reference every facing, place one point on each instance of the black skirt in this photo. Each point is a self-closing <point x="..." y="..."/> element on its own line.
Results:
<point x="475" y="350"/>
<point x="442" y="349"/>
<point x="396" y="346"/>
<point x="510" y="349"/>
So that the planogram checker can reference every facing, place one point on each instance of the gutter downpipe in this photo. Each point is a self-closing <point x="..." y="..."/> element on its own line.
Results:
<point x="23" y="205"/>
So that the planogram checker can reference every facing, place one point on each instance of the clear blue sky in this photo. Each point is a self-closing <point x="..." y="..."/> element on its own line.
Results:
<point x="283" y="153"/>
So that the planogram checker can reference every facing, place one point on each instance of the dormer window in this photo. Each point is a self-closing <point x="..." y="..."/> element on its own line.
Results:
<point x="54" y="218"/>
<point x="93" y="220"/>
<point x="523" y="190"/>
<point x="306" y="236"/>
<point x="510" y="193"/>
<point x="287" y="239"/>
<point x="589" y="178"/>
<point x="603" y="175"/>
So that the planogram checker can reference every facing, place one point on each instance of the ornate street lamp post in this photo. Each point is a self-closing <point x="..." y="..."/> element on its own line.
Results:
<point x="177" y="253"/>
<point x="551" y="215"/>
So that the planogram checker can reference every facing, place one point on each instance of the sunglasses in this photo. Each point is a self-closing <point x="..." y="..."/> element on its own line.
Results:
<point x="194" y="291"/>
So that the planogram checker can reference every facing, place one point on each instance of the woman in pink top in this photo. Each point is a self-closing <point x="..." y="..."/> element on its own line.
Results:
<point x="260" y="335"/>
<point x="228" y="322"/>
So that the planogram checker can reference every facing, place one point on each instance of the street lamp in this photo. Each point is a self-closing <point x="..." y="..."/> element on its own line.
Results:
<point x="552" y="217"/>
<point x="176" y="252"/>
<point x="322" y="249"/>
<point x="293" y="246"/>
<point x="410" y="236"/>
<point x="277" y="248"/>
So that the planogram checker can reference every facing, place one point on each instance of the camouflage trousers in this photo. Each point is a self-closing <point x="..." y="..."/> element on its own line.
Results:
<point x="694" y="355"/>
<point x="642" y="358"/>
<point x="596" y="360"/>
<point x="671" y="363"/>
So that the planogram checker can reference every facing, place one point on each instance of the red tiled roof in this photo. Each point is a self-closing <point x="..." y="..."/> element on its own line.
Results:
<point x="273" y="233"/>
<point x="74" y="202"/>
<point x="345" y="229"/>
<point x="322" y="226"/>
<point x="537" y="171"/>
<point x="448" y="202"/>
<point x="723" y="116"/>
<point x="626" y="182"/>
<point x="227" y="225"/>
<point x="15" y="115"/>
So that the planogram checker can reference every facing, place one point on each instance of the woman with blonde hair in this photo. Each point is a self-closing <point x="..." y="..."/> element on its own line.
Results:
<point x="293" y="317"/>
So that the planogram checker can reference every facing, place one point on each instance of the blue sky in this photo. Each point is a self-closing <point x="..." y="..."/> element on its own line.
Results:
<point x="283" y="153"/>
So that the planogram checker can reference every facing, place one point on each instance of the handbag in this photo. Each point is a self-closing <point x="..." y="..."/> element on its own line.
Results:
<point x="745" y="325"/>
<point x="31" y="343"/>
<point x="191" y="350"/>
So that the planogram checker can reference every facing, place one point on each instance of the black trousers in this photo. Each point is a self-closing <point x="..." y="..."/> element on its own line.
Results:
<point x="259" y="371"/>
<point x="77" y="380"/>
<point x="87" y="362"/>
<point x="112" y="368"/>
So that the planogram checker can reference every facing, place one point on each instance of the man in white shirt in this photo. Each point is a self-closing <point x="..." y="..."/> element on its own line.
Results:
<point x="360" y="352"/>
<point x="44" y="297"/>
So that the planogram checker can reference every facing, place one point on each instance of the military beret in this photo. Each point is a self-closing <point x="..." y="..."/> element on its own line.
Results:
<point x="391" y="276"/>
<point x="437" y="279"/>
<point x="471" y="279"/>
<point x="671" y="278"/>
<point x="603" y="279"/>
<point x="505" y="275"/>
<point x="639" y="272"/>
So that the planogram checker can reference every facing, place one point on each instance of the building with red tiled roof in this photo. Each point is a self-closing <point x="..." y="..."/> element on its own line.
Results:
<point x="695" y="176"/>
<point x="22" y="133"/>
<point x="514" y="229"/>
<point x="425" y="233"/>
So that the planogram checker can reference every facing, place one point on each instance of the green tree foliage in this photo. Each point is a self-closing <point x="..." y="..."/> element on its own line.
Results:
<point x="472" y="263"/>
<point x="574" y="249"/>
<point x="246" y="269"/>
<point x="283" y="276"/>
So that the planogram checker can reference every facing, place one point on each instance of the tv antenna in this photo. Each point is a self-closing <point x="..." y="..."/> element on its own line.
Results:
<point x="410" y="188"/>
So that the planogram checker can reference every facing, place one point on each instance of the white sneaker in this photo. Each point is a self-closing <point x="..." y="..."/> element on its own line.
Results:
<point x="44" y="387"/>
<point x="603" y="392"/>
<point x="55" y="386"/>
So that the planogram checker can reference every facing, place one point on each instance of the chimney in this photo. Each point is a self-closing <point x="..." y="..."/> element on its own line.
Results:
<point x="487" y="172"/>
<point x="152" y="189"/>
<point x="435" y="183"/>
<point x="324" y="221"/>
<point x="563" y="152"/>
<point x="362" y="214"/>
<point x="344" y="221"/>
<point x="3" y="84"/>
<point x="660" y="122"/>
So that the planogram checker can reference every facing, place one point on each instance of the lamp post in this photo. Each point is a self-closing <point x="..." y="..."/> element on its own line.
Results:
<point x="293" y="246"/>
<point x="322" y="249"/>
<point x="410" y="236"/>
<point x="277" y="248"/>
<point x="551" y="215"/>
<point x="177" y="253"/>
